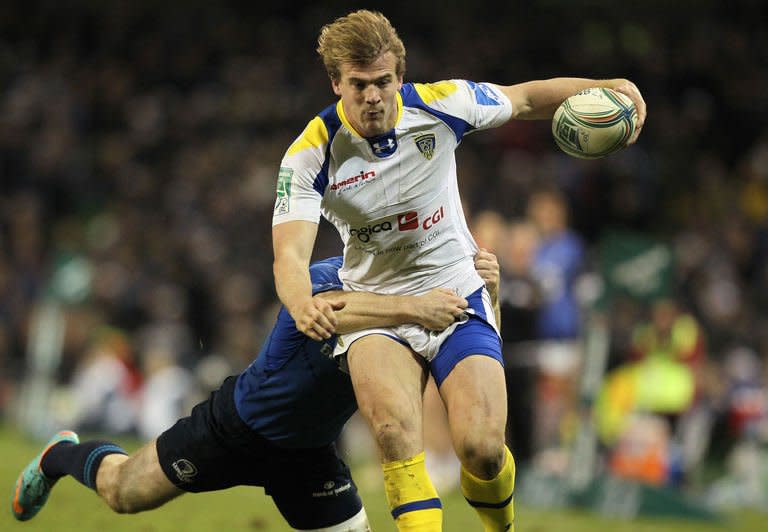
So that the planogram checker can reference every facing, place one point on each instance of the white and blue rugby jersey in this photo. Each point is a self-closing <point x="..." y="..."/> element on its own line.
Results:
<point x="393" y="198"/>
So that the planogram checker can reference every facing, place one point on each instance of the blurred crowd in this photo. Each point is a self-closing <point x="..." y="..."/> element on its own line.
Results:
<point x="139" y="146"/>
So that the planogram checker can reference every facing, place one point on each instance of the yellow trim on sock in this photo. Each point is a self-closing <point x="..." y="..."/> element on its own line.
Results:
<point x="419" y="458"/>
<point x="494" y="490"/>
<point x="491" y="492"/>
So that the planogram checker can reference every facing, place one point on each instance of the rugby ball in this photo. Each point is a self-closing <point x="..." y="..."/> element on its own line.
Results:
<point x="594" y="123"/>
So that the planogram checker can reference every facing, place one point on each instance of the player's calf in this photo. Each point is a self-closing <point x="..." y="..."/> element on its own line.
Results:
<point x="134" y="484"/>
<point x="111" y="487"/>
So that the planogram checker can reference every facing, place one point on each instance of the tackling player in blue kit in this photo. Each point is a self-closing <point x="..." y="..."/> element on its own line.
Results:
<point x="274" y="425"/>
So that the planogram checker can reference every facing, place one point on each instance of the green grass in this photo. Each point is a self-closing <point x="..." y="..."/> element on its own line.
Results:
<point x="73" y="507"/>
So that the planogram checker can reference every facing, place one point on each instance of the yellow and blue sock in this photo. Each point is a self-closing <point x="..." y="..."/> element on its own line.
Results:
<point x="493" y="499"/>
<point x="412" y="498"/>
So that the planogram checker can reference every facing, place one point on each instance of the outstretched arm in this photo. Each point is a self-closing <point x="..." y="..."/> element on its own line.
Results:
<point x="540" y="99"/>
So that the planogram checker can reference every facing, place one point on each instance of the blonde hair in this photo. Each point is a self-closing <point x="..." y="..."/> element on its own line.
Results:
<point x="359" y="38"/>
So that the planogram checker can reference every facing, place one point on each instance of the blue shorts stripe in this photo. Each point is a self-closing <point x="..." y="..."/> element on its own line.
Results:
<point x="496" y="505"/>
<point x="426" y="504"/>
<point x="475" y="337"/>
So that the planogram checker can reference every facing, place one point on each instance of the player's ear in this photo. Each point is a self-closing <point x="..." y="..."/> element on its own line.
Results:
<point x="336" y="87"/>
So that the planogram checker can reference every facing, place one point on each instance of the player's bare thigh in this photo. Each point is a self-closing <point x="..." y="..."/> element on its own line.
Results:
<point x="134" y="483"/>
<point x="475" y="398"/>
<point x="389" y="381"/>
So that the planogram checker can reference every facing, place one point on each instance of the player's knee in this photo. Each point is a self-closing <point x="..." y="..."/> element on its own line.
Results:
<point x="393" y="436"/>
<point x="483" y="457"/>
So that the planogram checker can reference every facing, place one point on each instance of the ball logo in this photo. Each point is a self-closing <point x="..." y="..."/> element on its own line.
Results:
<point x="567" y="132"/>
<point x="363" y="234"/>
<point x="185" y="470"/>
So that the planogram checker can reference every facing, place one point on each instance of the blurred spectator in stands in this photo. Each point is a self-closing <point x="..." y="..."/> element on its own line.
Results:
<point x="559" y="260"/>
<point x="519" y="297"/>
<point x="742" y="433"/>
<point x="6" y="335"/>
<point x="166" y="355"/>
<point x="169" y="392"/>
<point x="746" y="395"/>
<point x="642" y="450"/>
<point x="663" y="376"/>
<point x="489" y="230"/>
<point x="106" y="385"/>
<point x="672" y="335"/>
<point x="743" y="400"/>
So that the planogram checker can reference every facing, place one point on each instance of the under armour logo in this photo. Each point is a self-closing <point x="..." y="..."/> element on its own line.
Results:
<point x="385" y="145"/>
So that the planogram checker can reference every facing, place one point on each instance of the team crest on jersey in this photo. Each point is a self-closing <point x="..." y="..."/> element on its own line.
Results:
<point x="426" y="145"/>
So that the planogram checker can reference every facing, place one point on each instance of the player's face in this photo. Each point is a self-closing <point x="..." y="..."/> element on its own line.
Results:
<point x="368" y="94"/>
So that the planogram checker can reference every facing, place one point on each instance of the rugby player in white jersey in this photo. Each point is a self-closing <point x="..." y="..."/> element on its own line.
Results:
<point x="379" y="165"/>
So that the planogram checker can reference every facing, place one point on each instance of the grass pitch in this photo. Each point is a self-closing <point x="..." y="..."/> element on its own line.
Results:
<point x="73" y="507"/>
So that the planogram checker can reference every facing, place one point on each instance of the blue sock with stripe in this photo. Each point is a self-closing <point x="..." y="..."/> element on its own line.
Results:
<point x="80" y="461"/>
